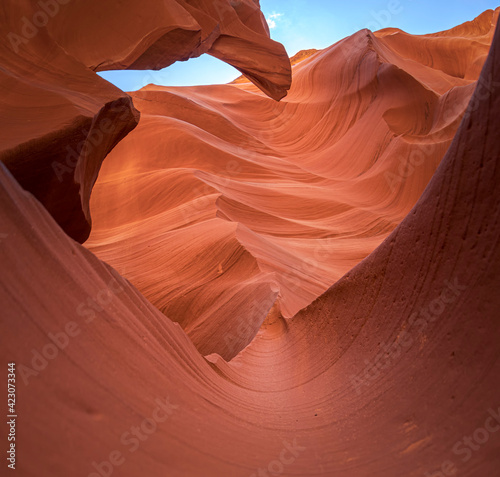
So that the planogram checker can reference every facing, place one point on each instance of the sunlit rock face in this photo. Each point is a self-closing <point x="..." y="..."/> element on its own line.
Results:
<point x="277" y="201"/>
<point x="59" y="119"/>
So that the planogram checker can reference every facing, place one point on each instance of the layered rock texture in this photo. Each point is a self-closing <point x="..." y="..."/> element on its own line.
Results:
<point x="294" y="60"/>
<point x="298" y="288"/>
<point x="278" y="200"/>
<point x="59" y="119"/>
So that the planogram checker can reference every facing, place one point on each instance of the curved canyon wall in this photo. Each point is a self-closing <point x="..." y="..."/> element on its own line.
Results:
<point x="337" y="253"/>
<point x="277" y="201"/>
<point x="59" y="119"/>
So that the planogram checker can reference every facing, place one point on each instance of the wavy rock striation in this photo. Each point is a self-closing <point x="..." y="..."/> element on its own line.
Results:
<point x="294" y="60"/>
<point x="383" y="374"/>
<point x="277" y="201"/>
<point x="59" y="119"/>
<point x="391" y="370"/>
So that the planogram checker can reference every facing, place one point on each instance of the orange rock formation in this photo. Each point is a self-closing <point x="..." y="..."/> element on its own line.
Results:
<point x="278" y="200"/>
<point x="332" y="259"/>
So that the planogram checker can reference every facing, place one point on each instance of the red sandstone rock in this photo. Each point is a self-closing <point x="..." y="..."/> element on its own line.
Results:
<point x="277" y="201"/>
<point x="59" y="119"/>
<point x="383" y="374"/>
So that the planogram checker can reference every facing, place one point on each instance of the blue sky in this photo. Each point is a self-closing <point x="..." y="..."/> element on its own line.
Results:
<point x="304" y="24"/>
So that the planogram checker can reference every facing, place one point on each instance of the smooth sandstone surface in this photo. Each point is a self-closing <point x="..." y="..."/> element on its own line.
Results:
<point x="294" y="60"/>
<point x="277" y="201"/>
<point x="59" y="119"/>
<point x="380" y="373"/>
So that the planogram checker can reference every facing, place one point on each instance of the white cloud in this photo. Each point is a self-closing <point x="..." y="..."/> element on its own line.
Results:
<point x="271" y="19"/>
